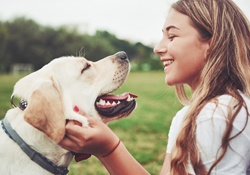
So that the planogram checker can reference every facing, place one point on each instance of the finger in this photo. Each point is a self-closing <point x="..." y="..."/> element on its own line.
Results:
<point x="79" y="131"/>
<point x="80" y="157"/>
<point x="74" y="122"/>
<point x="76" y="140"/>
<point x="94" y="122"/>
<point x="75" y="133"/>
<point x="75" y="129"/>
<point x="68" y="144"/>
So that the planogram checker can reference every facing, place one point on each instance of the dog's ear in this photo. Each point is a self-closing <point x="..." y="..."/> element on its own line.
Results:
<point x="45" y="111"/>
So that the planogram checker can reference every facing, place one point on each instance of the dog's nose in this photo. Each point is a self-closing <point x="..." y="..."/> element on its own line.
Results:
<point x="122" y="55"/>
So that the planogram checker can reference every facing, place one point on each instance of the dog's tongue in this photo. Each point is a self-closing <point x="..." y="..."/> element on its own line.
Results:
<point x="123" y="96"/>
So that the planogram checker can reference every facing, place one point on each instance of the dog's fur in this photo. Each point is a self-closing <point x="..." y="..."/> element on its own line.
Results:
<point x="51" y="93"/>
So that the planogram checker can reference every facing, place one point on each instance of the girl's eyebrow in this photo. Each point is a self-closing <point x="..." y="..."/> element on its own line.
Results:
<point x="170" y="27"/>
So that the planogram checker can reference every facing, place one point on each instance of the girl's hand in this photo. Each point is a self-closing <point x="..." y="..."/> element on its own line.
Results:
<point x="97" y="139"/>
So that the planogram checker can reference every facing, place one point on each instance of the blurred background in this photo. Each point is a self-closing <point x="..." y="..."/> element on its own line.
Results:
<point x="32" y="33"/>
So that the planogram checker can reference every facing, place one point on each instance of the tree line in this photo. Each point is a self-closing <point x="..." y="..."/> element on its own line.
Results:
<point x="23" y="40"/>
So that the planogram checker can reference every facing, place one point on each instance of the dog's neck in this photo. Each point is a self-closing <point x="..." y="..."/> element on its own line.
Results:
<point x="39" y="142"/>
<point x="35" y="156"/>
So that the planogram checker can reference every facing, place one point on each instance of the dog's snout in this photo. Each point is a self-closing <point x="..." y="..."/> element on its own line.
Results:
<point x="122" y="55"/>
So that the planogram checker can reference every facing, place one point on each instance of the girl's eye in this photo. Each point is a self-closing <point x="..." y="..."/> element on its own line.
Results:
<point x="87" y="66"/>
<point x="171" y="37"/>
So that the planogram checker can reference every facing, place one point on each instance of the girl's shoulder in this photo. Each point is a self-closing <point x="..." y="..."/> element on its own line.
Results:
<point x="221" y="106"/>
<point x="178" y="118"/>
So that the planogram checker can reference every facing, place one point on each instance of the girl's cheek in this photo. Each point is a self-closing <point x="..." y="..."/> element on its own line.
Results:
<point x="171" y="48"/>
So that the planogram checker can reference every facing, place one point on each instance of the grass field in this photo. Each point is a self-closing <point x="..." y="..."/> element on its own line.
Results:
<point x="144" y="133"/>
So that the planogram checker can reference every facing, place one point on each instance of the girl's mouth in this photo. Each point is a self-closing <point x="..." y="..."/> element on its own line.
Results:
<point x="166" y="63"/>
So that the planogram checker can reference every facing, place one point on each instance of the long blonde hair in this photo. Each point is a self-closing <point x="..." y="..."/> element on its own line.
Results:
<point x="227" y="70"/>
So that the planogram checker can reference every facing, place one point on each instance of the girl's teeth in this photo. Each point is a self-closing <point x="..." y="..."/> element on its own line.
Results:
<point x="168" y="62"/>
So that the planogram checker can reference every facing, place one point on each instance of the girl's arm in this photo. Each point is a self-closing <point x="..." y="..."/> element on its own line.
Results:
<point x="165" y="170"/>
<point x="121" y="162"/>
<point x="100" y="141"/>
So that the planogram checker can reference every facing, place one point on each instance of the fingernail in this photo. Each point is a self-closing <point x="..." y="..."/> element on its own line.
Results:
<point x="76" y="109"/>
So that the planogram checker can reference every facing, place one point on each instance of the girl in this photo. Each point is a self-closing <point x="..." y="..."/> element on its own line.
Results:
<point x="206" y="46"/>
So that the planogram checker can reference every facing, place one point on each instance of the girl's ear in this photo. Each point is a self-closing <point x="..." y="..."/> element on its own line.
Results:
<point x="207" y="47"/>
<point x="45" y="111"/>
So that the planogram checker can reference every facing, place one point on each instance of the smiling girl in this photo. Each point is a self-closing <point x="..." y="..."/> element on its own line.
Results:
<point x="206" y="46"/>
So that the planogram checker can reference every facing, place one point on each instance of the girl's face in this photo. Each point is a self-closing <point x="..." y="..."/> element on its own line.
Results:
<point x="181" y="50"/>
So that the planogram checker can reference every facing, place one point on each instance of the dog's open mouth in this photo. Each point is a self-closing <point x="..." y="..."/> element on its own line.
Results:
<point x="113" y="105"/>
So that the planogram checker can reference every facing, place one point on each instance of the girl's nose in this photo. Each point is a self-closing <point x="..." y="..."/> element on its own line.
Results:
<point x="160" y="48"/>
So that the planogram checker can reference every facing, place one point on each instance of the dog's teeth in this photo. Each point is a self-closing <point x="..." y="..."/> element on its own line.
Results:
<point x="114" y="103"/>
<point x="108" y="103"/>
<point x="102" y="102"/>
<point x="130" y="98"/>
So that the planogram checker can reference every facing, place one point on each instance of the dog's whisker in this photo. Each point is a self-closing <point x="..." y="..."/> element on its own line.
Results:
<point x="81" y="52"/>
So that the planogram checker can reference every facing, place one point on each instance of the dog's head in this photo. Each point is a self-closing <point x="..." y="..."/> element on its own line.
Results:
<point x="75" y="81"/>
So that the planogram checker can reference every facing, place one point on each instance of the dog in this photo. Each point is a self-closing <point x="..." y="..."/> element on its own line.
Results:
<point x="64" y="89"/>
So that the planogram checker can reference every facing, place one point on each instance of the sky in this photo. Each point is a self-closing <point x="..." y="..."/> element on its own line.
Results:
<point x="133" y="20"/>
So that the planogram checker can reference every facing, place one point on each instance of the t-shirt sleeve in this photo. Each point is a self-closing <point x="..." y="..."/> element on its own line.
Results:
<point x="211" y="124"/>
<point x="172" y="135"/>
<point x="175" y="128"/>
<point x="174" y="132"/>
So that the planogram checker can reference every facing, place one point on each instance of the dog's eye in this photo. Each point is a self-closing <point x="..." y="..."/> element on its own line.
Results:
<point x="87" y="66"/>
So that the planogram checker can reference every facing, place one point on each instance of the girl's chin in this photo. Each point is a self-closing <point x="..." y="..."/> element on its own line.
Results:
<point x="169" y="82"/>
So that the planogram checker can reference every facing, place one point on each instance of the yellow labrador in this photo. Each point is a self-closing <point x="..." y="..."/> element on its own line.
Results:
<point x="30" y="132"/>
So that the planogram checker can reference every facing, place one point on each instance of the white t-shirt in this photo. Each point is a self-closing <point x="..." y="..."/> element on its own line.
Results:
<point x="211" y="123"/>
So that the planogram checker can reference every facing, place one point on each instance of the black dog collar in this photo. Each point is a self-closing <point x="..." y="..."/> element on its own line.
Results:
<point x="33" y="155"/>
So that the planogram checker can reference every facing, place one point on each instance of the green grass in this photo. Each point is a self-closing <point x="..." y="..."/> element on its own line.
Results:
<point x="144" y="133"/>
